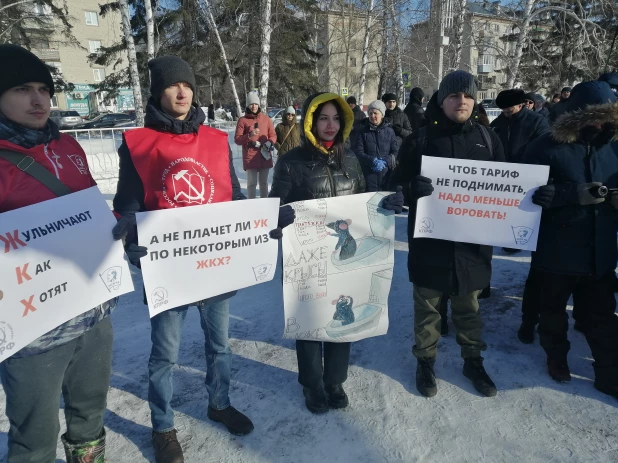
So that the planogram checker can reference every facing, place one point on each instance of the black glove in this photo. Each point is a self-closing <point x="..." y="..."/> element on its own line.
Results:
<point x="544" y="195"/>
<point x="135" y="253"/>
<point x="421" y="187"/>
<point x="394" y="202"/>
<point x="287" y="214"/>
<point x="276" y="233"/>
<point x="127" y="228"/>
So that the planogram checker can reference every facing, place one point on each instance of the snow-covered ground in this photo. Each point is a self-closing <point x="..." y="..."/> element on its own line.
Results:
<point x="532" y="419"/>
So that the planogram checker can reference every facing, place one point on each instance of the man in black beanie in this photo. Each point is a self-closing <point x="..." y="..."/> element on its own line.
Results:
<point x="439" y="267"/>
<point x="414" y="109"/>
<point x="75" y="358"/>
<point x="359" y="117"/>
<point x="174" y="141"/>
<point x="396" y="118"/>
<point x="560" y="107"/>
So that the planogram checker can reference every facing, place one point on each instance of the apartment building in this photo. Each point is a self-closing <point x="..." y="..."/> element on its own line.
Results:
<point x="91" y="31"/>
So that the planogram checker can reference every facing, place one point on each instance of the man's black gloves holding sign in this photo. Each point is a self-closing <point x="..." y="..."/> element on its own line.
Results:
<point x="286" y="217"/>
<point x="394" y="202"/>
<point x="420" y="187"/>
<point x="544" y="195"/>
<point x="127" y="228"/>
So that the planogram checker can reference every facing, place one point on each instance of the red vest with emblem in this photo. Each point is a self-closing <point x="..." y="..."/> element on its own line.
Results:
<point x="180" y="170"/>
<point x="64" y="158"/>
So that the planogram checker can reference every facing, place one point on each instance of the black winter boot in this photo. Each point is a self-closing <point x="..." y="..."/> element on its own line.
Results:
<point x="526" y="333"/>
<point x="336" y="396"/>
<point x="88" y="452"/>
<point x="486" y="293"/>
<point x="606" y="388"/>
<point x="167" y="448"/>
<point x="425" y="377"/>
<point x="558" y="368"/>
<point x="235" y="422"/>
<point x="315" y="400"/>
<point x="474" y="370"/>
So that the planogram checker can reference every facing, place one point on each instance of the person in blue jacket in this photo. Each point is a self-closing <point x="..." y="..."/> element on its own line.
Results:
<point x="576" y="251"/>
<point x="376" y="147"/>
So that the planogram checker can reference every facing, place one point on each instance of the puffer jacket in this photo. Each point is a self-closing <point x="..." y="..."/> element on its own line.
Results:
<point x="376" y="142"/>
<point x="416" y="114"/>
<point x="310" y="171"/>
<point x="252" y="157"/>
<point x="448" y="266"/>
<point x="359" y="117"/>
<point x="575" y="239"/>
<point x="399" y="122"/>
<point x="517" y="131"/>
<point x="288" y="137"/>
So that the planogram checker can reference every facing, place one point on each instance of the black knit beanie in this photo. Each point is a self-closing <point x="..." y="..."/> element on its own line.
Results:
<point x="457" y="82"/>
<point x="351" y="100"/>
<point x="169" y="70"/>
<point x="529" y="96"/>
<point x="417" y="93"/>
<point x="389" y="97"/>
<point x="19" y="66"/>
<point x="508" y="98"/>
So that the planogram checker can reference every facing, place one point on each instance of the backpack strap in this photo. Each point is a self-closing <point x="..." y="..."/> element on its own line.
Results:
<point x="487" y="139"/>
<point x="29" y="166"/>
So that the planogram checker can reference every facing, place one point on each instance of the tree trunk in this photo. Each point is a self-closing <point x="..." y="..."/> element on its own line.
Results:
<point x="363" y="76"/>
<point x="385" y="50"/>
<point x="459" y="39"/>
<point x="133" y="72"/>
<point x="397" y="45"/>
<point x="265" y="53"/>
<point x="513" y="69"/>
<point x="223" y="56"/>
<point x="149" y="29"/>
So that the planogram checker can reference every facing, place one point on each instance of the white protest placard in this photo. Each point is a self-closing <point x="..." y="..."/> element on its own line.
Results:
<point x="481" y="202"/>
<point x="199" y="252"/>
<point x="338" y="259"/>
<point x="59" y="260"/>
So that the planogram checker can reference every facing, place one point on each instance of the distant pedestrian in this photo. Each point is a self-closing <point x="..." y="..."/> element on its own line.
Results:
<point x="560" y="107"/>
<point x="359" y="117"/>
<point x="414" y="109"/>
<point x="396" y="118"/>
<point x="288" y="132"/>
<point x="539" y="106"/>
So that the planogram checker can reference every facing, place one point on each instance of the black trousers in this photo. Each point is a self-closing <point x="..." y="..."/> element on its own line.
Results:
<point x="531" y="302"/>
<point x="595" y="297"/>
<point x="336" y="360"/>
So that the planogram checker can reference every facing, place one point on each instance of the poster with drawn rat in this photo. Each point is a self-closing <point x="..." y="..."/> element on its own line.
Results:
<point x="338" y="260"/>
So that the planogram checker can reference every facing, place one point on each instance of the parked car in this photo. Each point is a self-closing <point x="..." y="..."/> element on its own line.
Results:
<point x="65" y="119"/>
<point x="276" y="115"/>
<point x="489" y="103"/>
<point x="94" y="115"/>
<point x="105" y="121"/>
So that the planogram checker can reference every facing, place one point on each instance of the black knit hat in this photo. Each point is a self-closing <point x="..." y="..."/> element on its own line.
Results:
<point x="20" y="66"/>
<point x="351" y="100"/>
<point x="457" y="82"/>
<point x="169" y="70"/>
<point x="565" y="89"/>
<point x="508" y="98"/>
<point x="389" y="97"/>
<point x="529" y="96"/>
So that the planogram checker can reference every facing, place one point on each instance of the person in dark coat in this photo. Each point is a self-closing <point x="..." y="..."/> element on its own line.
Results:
<point x="557" y="109"/>
<point x="612" y="80"/>
<point x="376" y="148"/>
<point x="414" y="109"/>
<point x="576" y="251"/>
<point x="359" y="117"/>
<point x="435" y="266"/>
<point x="529" y="101"/>
<point x="540" y="107"/>
<point x="517" y="125"/>
<point x="321" y="167"/>
<point x="396" y="118"/>
<point x="211" y="113"/>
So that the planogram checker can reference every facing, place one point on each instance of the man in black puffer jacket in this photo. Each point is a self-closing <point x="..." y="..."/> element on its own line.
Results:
<point x="439" y="267"/>
<point x="414" y="109"/>
<point x="576" y="251"/>
<point x="396" y="118"/>
<point x="359" y="117"/>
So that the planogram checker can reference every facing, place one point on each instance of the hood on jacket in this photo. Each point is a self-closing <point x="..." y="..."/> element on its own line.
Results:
<point x="591" y="103"/>
<point x="309" y="107"/>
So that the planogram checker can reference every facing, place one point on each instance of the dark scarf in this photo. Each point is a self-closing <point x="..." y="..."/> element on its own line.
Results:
<point x="158" y="120"/>
<point x="25" y="137"/>
<point x="250" y="115"/>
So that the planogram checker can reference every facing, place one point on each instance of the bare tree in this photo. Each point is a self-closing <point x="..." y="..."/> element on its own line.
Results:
<point x="149" y="29"/>
<point x="265" y="32"/>
<point x="365" y="59"/>
<point x="133" y="71"/>
<point x="397" y="45"/>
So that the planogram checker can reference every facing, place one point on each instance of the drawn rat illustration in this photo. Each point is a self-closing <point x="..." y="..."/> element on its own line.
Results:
<point x="346" y="241"/>
<point x="343" y="311"/>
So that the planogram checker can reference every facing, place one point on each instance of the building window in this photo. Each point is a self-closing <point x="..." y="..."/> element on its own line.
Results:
<point x="488" y="59"/>
<point x="492" y="94"/>
<point x="92" y="19"/>
<point x="497" y="27"/>
<point x="94" y="45"/>
<point x="482" y="95"/>
<point x="352" y="62"/>
<point x="41" y="10"/>
<point x="99" y="75"/>
<point x="54" y="101"/>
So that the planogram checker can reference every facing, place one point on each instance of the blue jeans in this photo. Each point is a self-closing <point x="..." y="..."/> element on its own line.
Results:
<point x="166" y="336"/>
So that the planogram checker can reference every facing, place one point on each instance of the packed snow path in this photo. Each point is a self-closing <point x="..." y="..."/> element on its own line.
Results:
<point x="532" y="419"/>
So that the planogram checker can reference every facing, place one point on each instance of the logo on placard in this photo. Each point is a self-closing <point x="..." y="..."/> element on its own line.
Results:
<point x="261" y="271"/>
<point x="112" y="278"/>
<point x="426" y="225"/>
<point x="159" y="297"/>
<point x="6" y="337"/>
<point x="191" y="183"/>
<point x="522" y="234"/>
<point x="80" y="163"/>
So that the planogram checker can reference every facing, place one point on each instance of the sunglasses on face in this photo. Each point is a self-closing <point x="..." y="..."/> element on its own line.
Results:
<point x="529" y="102"/>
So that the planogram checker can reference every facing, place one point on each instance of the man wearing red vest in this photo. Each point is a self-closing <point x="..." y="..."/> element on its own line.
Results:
<point x="74" y="359"/>
<point x="175" y="161"/>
